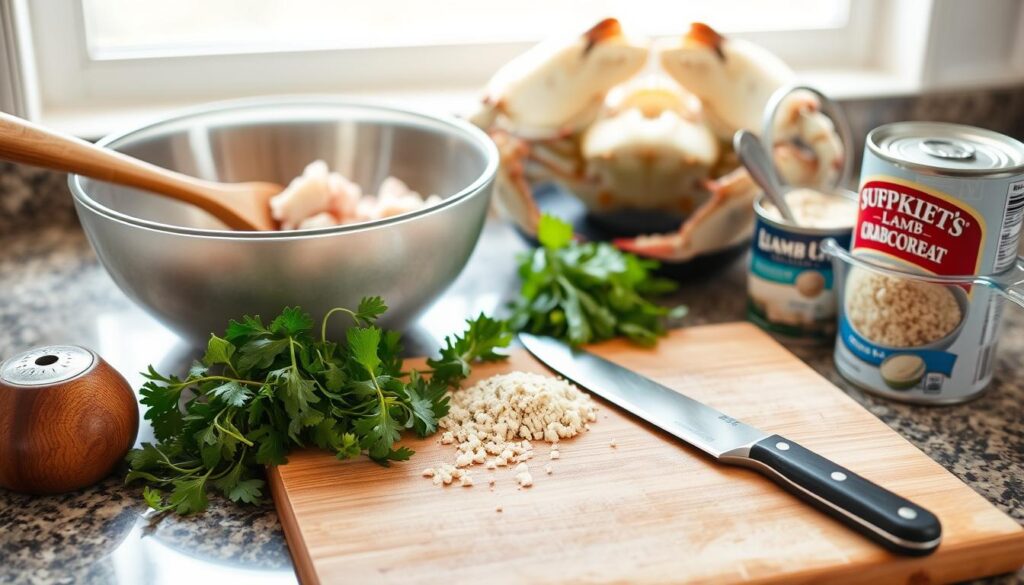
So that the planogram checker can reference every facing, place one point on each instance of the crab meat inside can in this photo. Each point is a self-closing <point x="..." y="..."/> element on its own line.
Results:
<point x="789" y="284"/>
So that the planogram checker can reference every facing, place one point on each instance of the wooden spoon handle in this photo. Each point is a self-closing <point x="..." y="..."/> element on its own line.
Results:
<point x="24" y="142"/>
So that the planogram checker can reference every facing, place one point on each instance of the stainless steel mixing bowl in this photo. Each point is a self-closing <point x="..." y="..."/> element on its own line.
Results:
<point x="187" y="270"/>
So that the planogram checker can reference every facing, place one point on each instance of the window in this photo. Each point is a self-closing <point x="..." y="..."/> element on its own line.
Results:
<point x="147" y="28"/>
<point x="73" y="60"/>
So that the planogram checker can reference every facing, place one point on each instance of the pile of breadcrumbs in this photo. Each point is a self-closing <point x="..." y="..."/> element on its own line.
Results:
<point x="496" y="421"/>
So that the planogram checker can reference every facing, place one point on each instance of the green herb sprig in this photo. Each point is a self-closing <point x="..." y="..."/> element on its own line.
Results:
<point x="587" y="292"/>
<point x="262" y="390"/>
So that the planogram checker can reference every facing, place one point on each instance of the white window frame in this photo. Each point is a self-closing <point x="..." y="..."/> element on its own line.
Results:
<point x="904" y="53"/>
<point x="19" y="90"/>
<point x="71" y="76"/>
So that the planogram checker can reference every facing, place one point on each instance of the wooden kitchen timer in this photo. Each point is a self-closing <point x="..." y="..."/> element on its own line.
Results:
<point x="66" y="419"/>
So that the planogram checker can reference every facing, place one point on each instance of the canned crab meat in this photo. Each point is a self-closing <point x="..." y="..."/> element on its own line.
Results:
<point x="935" y="199"/>
<point x="789" y="284"/>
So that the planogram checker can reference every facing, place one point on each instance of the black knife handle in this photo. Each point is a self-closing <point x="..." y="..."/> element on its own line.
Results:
<point x="893" y="521"/>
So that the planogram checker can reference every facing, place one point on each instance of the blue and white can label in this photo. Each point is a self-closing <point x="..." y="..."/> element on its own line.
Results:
<point x="790" y="290"/>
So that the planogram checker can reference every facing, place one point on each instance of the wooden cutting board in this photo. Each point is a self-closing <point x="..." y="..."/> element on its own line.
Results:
<point x="650" y="509"/>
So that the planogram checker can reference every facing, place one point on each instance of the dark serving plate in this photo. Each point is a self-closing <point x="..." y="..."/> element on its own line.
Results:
<point x="555" y="200"/>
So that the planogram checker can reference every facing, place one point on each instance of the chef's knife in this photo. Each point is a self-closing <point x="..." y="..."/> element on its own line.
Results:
<point x="893" y="521"/>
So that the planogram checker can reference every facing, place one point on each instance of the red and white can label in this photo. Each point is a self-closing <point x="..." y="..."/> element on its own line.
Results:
<point x="941" y="199"/>
<point x="920" y="227"/>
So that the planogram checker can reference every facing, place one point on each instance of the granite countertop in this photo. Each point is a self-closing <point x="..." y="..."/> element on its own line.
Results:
<point x="54" y="291"/>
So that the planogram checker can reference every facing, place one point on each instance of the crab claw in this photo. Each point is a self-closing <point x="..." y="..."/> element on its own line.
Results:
<point x="733" y="79"/>
<point x="725" y="220"/>
<point x="558" y="85"/>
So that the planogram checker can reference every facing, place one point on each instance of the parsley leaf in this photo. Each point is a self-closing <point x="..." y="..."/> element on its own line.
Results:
<point x="326" y="434"/>
<point x="161" y="395"/>
<point x="296" y="393"/>
<point x="379" y="432"/>
<point x="370" y="308"/>
<point x="291" y="321"/>
<point x="553" y="233"/>
<point x="272" y="450"/>
<point x="218" y="351"/>
<point x="400" y="454"/>
<point x="587" y="292"/>
<point x="231" y="392"/>
<point x="480" y="342"/>
<point x="261" y="391"/>
<point x="247" y="490"/>
<point x="197" y="370"/>
<point x="349" y="447"/>
<point x="260" y="353"/>
<point x="189" y="495"/>
<point x="153" y="497"/>
<point x="147" y="457"/>
<point x="248" y="327"/>
<point x="363" y="343"/>
<point x="429" y="402"/>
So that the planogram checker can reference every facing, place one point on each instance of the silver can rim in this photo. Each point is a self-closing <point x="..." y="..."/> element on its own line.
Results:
<point x="875" y="136"/>
<point x="762" y="215"/>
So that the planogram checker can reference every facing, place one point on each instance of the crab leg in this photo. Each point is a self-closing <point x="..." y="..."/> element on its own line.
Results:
<point x="555" y="161"/>
<point x="727" y="217"/>
<point x="513" y="195"/>
<point x="722" y="221"/>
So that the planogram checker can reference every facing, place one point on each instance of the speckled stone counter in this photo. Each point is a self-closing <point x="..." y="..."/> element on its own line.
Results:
<point x="55" y="291"/>
<point x="52" y="290"/>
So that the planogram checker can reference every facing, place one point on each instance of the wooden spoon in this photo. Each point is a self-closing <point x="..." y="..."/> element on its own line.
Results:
<point x="242" y="206"/>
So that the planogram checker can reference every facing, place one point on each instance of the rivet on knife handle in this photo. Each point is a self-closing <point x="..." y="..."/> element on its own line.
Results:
<point x="893" y="521"/>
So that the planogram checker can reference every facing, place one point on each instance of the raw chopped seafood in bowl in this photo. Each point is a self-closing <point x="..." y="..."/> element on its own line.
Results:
<point x="321" y="198"/>
<point x="190" y="272"/>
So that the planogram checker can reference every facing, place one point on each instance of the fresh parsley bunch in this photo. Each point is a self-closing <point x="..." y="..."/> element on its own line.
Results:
<point x="586" y="292"/>
<point x="262" y="390"/>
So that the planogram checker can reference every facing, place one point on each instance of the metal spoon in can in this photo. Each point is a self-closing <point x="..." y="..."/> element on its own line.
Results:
<point x="755" y="158"/>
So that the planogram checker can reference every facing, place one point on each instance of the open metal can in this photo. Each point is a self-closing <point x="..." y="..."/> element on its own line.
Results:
<point x="790" y="290"/>
<point x="940" y="211"/>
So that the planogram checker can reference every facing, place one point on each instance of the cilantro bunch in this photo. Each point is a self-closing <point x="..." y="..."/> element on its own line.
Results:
<point x="586" y="292"/>
<point x="262" y="390"/>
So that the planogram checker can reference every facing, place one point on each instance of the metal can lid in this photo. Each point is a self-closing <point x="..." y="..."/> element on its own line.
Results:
<point x="947" y="149"/>
<point x="46" y="365"/>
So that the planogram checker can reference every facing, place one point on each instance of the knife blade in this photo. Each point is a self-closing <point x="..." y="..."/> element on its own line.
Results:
<point x="885" y="517"/>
